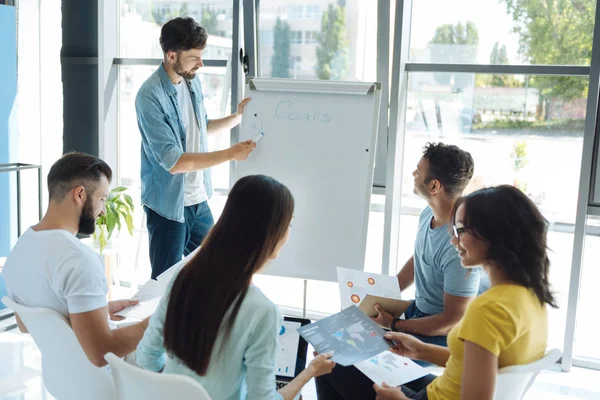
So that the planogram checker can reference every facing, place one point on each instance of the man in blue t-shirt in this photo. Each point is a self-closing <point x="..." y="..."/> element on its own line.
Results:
<point x="443" y="288"/>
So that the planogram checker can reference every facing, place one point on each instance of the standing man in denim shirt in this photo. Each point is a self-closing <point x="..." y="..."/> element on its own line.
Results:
<point x="175" y="171"/>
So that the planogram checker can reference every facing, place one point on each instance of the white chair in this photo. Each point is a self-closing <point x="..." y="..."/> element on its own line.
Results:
<point x="133" y="383"/>
<point x="514" y="381"/>
<point x="67" y="372"/>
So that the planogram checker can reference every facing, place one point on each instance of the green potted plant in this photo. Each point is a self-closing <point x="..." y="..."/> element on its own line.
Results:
<point x="119" y="208"/>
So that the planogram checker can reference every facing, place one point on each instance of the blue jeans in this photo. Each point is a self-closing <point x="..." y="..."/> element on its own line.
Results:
<point x="413" y="312"/>
<point x="171" y="240"/>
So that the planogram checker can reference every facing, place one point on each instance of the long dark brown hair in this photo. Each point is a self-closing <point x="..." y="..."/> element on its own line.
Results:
<point x="208" y="292"/>
<point x="515" y="230"/>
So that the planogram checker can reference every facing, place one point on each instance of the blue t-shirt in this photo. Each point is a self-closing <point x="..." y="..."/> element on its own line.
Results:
<point x="438" y="268"/>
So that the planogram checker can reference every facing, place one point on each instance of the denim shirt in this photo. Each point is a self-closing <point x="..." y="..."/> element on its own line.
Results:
<point x="163" y="142"/>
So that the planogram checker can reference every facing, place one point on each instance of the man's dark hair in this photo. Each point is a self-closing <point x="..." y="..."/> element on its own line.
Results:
<point x="182" y="34"/>
<point x="76" y="169"/>
<point x="450" y="165"/>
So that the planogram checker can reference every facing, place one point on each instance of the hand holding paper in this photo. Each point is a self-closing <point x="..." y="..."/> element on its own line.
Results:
<point x="406" y="345"/>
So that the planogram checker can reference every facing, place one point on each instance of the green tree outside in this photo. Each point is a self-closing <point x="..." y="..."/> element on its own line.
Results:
<point x="332" y="51"/>
<point x="280" y="62"/>
<point x="554" y="32"/>
<point x="456" y="44"/>
<point x="209" y="20"/>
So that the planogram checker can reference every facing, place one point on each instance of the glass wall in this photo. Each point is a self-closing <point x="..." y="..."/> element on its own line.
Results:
<point x="141" y="21"/>
<point x="511" y="142"/>
<point x="502" y="32"/>
<point x="318" y="39"/>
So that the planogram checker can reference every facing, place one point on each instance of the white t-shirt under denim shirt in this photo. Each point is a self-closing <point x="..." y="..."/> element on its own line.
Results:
<point x="53" y="269"/>
<point x="194" y="189"/>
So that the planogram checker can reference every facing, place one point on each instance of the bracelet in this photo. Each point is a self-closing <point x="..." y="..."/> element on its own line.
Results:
<point x="393" y="327"/>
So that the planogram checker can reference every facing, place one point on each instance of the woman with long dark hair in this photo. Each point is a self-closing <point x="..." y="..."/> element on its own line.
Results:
<point x="500" y="229"/>
<point x="213" y="324"/>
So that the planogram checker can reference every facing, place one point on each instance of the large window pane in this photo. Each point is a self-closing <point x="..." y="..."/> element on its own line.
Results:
<point x="141" y="21"/>
<point x="519" y="132"/>
<point x="318" y="39"/>
<point x="502" y="31"/>
<point x="586" y="333"/>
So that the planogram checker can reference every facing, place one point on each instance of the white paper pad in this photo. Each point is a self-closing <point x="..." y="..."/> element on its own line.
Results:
<point x="150" y="290"/>
<point x="142" y="310"/>
<point x="391" y="368"/>
<point x="355" y="285"/>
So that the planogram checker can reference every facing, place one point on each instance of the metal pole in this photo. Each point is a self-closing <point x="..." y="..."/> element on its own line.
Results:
<point x="40" y="192"/>
<point x="393" y="177"/>
<point x="584" y="199"/>
<point x="304" y="300"/>
<point x="18" y="203"/>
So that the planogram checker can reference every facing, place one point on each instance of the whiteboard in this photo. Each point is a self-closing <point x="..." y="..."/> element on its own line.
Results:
<point x="319" y="140"/>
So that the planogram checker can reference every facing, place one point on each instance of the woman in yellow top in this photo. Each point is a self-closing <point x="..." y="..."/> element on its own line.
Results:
<point x="500" y="229"/>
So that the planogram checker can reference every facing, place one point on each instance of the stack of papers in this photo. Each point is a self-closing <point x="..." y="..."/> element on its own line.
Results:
<point x="365" y="289"/>
<point x="355" y="285"/>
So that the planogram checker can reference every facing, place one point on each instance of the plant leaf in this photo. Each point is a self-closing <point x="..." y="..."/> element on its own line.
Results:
<point x="129" y="221"/>
<point x="119" y="189"/>
<point x="102" y="239"/>
<point x="111" y="209"/>
<point x="120" y="203"/>
<point x="111" y="220"/>
<point x="129" y="201"/>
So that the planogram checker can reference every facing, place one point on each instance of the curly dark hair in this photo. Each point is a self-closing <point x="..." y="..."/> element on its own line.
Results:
<point x="450" y="165"/>
<point x="180" y="34"/>
<point x="515" y="230"/>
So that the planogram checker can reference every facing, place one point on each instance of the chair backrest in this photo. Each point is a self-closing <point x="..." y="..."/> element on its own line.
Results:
<point x="133" y="383"/>
<point x="514" y="381"/>
<point x="68" y="374"/>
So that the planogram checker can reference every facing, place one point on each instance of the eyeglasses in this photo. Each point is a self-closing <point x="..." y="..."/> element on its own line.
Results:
<point x="459" y="231"/>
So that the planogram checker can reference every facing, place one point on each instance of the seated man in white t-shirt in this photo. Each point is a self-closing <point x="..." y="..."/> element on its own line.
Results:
<point x="49" y="267"/>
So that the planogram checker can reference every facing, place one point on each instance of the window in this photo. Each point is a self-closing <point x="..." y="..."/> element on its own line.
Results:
<point x="310" y="36"/>
<point x="491" y="32"/>
<point x="295" y="12"/>
<point x="296" y="37"/>
<point x="266" y="37"/>
<point x="351" y="56"/>
<point x="313" y="11"/>
<point x="516" y="135"/>
<point x="141" y="21"/>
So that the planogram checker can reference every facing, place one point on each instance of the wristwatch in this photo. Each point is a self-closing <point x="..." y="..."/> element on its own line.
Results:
<point x="393" y="327"/>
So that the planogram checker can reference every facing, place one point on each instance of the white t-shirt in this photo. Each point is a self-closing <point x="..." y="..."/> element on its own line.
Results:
<point x="53" y="269"/>
<point x="194" y="189"/>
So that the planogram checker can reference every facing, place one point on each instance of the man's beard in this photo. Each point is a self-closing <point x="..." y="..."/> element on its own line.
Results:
<point x="191" y="74"/>
<point x="87" y="220"/>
